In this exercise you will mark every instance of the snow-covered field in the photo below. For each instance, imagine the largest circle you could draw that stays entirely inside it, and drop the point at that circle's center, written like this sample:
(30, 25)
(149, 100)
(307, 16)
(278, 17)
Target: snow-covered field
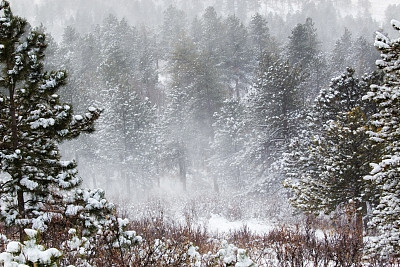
(218, 224)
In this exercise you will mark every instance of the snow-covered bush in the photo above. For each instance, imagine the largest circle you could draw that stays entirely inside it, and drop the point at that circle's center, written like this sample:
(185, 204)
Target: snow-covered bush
(97, 230)
(29, 253)
(227, 255)
(230, 255)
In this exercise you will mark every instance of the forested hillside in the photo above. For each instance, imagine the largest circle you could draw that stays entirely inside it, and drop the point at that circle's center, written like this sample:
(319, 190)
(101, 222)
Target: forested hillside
(282, 111)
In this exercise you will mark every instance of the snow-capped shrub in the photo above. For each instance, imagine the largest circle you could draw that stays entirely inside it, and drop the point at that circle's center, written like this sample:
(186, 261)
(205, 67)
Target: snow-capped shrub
(29, 253)
(227, 255)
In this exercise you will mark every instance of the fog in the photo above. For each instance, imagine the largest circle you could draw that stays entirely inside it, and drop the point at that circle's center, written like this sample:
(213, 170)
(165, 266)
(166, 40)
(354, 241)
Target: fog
(183, 128)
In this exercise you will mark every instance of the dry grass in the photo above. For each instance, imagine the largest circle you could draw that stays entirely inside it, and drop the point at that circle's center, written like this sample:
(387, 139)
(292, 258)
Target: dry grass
(311, 242)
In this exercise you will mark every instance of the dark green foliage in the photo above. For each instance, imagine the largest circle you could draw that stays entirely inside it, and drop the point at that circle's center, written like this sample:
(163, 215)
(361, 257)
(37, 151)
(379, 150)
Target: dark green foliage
(303, 44)
(33, 121)
(328, 161)
(272, 107)
(259, 35)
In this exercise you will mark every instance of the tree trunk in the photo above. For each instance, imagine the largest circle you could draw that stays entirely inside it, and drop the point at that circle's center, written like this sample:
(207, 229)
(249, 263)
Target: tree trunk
(359, 222)
(14, 129)
(158, 175)
(21, 210)
(216, 187)
(237, 89)
(182, 171)
(94, 181)
(127, 182)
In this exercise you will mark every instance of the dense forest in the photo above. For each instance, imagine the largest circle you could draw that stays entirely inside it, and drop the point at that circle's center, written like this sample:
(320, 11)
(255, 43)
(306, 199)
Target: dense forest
(283, 111)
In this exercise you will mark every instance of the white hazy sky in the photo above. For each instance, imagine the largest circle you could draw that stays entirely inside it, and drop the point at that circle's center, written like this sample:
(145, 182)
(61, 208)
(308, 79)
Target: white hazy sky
(379, 7)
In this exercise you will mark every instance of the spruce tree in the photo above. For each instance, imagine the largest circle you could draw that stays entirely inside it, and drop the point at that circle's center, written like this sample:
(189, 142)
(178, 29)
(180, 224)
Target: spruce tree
(303, 52)
(33, 122)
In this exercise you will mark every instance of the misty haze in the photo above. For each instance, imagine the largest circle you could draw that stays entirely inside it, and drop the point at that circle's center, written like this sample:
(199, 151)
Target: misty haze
(200, 133)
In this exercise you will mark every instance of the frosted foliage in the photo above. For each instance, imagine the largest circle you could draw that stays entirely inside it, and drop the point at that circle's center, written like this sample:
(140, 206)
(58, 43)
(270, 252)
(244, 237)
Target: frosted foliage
(385, 174)
(395, 24)
(33, 123)
(227, 255)
(230, 255)
(29, 253)
(328, 159)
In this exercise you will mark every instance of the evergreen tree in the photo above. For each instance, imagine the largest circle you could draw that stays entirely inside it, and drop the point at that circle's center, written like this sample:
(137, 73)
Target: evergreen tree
(385, 174)
(272, 107)
(342, 55)
(177, 130)
(357, 54)
(303, 44)
(195, 96)
(303, 51)
(69, 53)
(236, 56)
(117, 84)
(80, 58)
(259, 35)
(174, 26)
(212, 34)
(176, 133)
(140, 142)
(33, 122)
(146, 65)
(328, 161)
(365, 56)
(226, 147)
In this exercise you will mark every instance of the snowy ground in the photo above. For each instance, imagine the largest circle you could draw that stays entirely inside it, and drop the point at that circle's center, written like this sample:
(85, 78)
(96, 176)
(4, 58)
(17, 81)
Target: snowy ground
(218, 213)
(218, 224)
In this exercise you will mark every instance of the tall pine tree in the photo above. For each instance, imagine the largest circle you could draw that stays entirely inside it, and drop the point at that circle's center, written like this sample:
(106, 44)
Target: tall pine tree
(33, 122)
(328, 161)
(385, 174)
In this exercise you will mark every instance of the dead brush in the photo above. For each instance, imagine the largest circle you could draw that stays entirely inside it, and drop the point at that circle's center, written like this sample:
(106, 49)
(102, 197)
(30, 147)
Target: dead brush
(288, 245)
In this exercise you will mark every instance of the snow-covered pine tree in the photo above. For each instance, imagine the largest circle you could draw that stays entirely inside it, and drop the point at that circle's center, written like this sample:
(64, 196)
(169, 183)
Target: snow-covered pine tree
(147, 64)
(228, 141)
(195, 95)
(141, 142)
(259, 36)
(303, 44)
(303, 51)
(327, 162)
(386, 172)
(354, 53)
(273, 104)
(174, 25)
(342, 54)
(236, 60)
(211, 35)
(33, 122)
(365, 56)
